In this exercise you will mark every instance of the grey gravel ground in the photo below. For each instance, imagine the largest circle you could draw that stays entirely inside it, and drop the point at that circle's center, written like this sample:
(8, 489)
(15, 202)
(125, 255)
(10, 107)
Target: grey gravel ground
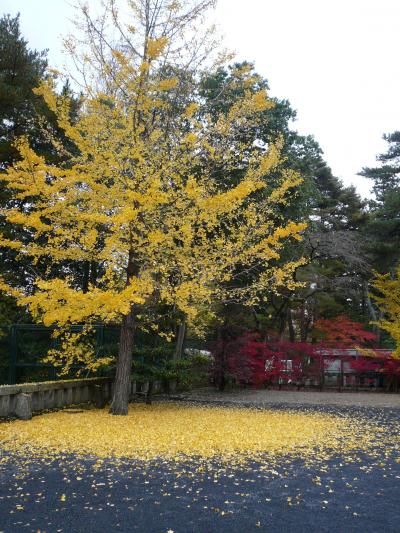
(263, 397)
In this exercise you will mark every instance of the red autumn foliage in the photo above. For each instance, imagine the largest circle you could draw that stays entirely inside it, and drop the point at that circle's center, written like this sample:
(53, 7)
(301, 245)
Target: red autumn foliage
(380, 361)
(286, 361)
(249, 360)
(341, 332)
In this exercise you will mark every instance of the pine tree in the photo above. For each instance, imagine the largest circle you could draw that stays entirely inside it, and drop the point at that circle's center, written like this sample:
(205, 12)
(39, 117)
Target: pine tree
(383, 231)
(21, 69)
(22, 112)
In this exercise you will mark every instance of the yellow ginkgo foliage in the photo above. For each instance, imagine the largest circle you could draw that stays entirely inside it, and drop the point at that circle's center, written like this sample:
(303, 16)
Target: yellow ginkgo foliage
(179, 432)
(139, 196)
(388, 300)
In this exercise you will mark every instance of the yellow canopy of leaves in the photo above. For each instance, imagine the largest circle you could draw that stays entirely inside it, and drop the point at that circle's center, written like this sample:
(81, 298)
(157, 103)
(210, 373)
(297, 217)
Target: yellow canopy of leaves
(388, 299)
(141, 187)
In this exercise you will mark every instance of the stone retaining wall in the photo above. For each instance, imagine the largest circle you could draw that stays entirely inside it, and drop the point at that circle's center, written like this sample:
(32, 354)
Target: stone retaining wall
(22, 400)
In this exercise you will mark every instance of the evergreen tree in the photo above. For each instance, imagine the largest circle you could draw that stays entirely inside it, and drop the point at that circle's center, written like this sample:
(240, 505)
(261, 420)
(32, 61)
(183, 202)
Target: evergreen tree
(334, 270)
(24, 113)
(21, 70)
(383, 230)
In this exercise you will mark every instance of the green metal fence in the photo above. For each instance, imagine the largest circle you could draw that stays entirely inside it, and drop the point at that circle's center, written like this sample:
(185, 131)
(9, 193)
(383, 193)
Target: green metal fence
(23, 347)
(4, 354)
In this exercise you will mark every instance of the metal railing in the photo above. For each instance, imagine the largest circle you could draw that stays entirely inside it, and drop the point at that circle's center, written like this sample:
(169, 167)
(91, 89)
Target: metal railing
(23, 347)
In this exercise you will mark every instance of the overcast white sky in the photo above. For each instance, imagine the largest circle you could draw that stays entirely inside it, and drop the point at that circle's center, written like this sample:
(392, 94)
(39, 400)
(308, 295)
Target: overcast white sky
(337, 61)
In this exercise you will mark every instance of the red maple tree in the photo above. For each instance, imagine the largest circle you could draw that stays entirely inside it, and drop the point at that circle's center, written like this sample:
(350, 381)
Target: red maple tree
(341, 332)
(248, 359)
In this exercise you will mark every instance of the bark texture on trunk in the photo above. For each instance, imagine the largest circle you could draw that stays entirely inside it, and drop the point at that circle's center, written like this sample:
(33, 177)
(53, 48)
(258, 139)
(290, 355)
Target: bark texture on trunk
(119, 404)
(173, 383)
(180, 340)
(149, 393)
(292, 333)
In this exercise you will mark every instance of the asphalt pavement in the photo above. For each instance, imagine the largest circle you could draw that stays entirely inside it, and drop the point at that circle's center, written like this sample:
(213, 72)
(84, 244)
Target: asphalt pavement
(74, 495)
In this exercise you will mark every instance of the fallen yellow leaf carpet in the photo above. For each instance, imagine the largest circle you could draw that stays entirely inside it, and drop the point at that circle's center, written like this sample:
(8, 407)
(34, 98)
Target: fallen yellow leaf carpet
(179, 431)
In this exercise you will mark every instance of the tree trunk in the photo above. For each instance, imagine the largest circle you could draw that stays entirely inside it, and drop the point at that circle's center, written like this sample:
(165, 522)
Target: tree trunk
(85, 276)
(304, 323)
(173, 383)
(292, 333)
(282, 323)
(372, 313)
(180, 340)
(149, 393)
(219, 376)
(119, 404)
(221, 382)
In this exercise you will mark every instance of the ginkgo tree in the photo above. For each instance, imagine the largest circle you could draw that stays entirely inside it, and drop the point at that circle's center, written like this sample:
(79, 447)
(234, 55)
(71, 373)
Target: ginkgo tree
(138, 197)
(387, 296)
